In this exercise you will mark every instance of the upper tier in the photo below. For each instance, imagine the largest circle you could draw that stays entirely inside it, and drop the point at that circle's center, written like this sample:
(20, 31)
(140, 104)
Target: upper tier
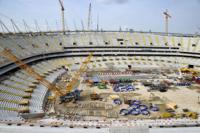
(26, 45)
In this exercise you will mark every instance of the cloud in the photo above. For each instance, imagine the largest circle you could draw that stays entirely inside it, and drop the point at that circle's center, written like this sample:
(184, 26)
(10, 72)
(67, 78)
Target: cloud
(113, 1)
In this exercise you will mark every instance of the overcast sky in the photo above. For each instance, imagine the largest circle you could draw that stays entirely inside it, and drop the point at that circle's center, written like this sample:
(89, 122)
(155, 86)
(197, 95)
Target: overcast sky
(141, 15)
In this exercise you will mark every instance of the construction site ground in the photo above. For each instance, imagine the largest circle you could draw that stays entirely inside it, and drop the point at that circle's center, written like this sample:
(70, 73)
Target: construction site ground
(184, 97)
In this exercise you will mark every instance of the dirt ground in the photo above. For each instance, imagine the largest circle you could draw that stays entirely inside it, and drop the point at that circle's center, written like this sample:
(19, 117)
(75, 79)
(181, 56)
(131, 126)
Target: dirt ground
(184, 97)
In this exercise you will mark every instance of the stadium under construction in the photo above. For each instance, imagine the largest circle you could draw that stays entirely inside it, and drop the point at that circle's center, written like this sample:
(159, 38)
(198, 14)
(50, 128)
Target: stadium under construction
(99, 81)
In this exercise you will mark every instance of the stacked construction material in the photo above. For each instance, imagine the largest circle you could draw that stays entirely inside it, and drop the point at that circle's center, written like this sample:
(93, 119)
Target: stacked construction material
(120, 80)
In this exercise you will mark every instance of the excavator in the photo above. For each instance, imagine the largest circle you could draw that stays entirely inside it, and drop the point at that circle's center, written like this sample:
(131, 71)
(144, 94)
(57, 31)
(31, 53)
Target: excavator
(66, 94)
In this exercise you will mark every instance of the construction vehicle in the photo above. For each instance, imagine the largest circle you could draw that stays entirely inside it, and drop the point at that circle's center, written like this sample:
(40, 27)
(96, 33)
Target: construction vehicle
(95, 96)
(74, 95)
(192, 115)
(179, 115)
(102, 86)
(65, 94)
(90, 83)
(195, 74)
(187, 70)
(166, 115)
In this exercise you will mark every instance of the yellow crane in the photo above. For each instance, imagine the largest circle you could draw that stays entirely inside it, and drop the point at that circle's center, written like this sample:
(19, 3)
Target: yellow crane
(76, 76)
(65, 94)
(69, 95)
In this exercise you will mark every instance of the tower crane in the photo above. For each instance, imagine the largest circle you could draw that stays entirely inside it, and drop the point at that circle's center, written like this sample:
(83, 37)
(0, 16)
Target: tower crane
(62, 15)
(82, 24)
(89, 17)
(65, 94)
(167, 16)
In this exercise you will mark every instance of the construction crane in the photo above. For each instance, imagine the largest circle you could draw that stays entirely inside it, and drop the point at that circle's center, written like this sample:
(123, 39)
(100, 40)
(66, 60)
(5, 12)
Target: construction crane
(89, 17)
(97, 22)
(71, 85)
(76, 76)
(65, 94)
(82, 24)
(167, 16)
(7, 54)
(62, 15)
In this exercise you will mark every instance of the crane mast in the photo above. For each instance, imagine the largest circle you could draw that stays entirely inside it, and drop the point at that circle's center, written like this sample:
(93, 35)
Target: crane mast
(89, 17)
(62, 15)
(167, 16)
(76, 76)
(82, 25)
